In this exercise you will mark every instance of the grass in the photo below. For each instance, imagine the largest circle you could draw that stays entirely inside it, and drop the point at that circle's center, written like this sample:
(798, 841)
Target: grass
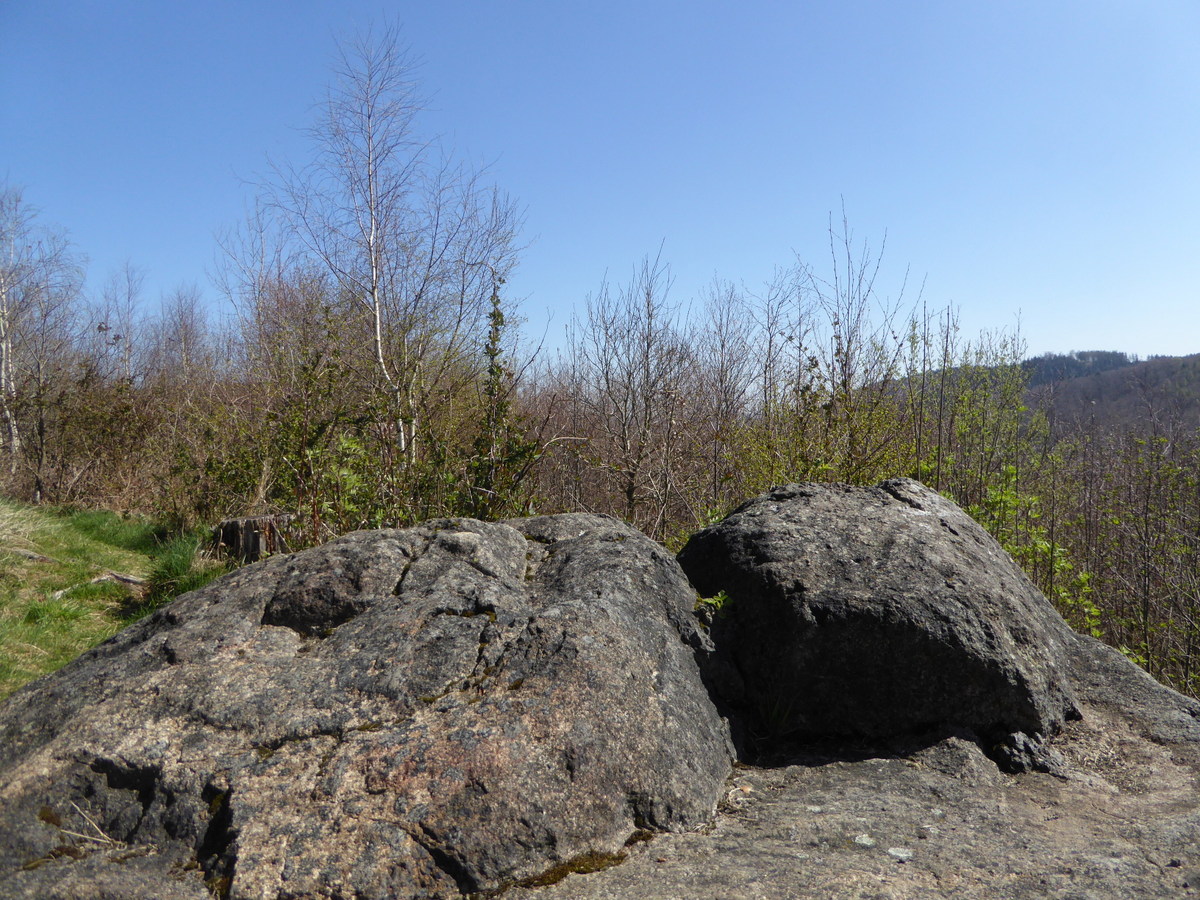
(52, 609)
(175, 569)
(136, 535)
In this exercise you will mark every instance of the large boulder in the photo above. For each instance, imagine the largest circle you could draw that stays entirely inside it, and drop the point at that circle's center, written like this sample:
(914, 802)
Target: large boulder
(872, 612)
(476, 709)
(428, 712)
(891, 634)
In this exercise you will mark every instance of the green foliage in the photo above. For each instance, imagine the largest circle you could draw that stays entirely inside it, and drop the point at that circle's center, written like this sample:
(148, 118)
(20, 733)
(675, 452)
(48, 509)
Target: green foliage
(501, 454)
(1013, 517)
(713, 605)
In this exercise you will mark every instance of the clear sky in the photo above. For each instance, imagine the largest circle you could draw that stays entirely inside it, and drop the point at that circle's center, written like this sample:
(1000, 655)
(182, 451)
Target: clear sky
(1027, 159)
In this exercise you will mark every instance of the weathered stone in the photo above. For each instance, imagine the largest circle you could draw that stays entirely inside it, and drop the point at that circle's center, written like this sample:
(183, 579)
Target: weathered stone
(460, 706)
(897, 804)
(939, 821)
(410, 713)
(901, 803)
(874, 612)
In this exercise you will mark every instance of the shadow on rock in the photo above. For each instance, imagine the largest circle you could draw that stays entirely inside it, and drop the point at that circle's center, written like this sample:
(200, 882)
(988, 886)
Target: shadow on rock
(856, 616)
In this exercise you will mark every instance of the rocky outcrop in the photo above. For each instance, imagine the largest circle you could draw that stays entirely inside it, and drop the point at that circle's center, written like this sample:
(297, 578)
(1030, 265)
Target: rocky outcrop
(877, 612)
(482, 709)
(938, 822)
(418, 713)
(925, 725)
(933, 817)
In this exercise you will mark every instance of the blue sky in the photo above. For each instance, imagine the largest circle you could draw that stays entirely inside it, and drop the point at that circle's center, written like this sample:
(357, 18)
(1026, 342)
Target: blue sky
(1031, 161)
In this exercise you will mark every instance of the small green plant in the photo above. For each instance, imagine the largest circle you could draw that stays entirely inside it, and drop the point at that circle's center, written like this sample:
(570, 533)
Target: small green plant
(55, 610)
(713, 605)
(775, 717)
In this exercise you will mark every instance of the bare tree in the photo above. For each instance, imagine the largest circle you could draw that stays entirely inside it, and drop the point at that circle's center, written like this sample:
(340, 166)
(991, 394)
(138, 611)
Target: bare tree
(725, 373)
(859, 359)
(40, 279)
(410, 236)
(775, 445)
(631, 364)
(182, 344)
(119, 323)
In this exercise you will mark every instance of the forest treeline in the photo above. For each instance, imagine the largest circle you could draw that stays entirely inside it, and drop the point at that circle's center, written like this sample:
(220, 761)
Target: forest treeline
(371, 371)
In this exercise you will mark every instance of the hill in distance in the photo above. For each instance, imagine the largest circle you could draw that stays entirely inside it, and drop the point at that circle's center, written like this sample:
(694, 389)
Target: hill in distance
(1116, 391)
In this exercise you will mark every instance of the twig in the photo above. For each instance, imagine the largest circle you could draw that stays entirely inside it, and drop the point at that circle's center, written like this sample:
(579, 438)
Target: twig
(29, 554)
(102, 837)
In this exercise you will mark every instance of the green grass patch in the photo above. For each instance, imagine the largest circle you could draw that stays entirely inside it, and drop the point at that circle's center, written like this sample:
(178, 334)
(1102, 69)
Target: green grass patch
(177, 567)
(52, 607)
(133, 534)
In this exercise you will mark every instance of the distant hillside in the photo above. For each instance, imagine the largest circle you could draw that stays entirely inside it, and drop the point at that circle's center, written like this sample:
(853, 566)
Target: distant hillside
(1111, 390)
(1051, 367)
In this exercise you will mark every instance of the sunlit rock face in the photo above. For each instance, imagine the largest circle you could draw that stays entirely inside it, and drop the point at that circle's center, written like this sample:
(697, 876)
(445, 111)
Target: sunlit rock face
(533, 709)
(424, 712)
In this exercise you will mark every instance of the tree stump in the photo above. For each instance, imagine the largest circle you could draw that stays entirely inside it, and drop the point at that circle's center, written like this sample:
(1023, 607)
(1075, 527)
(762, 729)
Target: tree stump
(250, 539)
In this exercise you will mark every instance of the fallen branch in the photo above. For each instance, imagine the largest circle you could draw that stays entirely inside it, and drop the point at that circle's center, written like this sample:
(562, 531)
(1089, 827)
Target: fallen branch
(29, 554)
(131, 580)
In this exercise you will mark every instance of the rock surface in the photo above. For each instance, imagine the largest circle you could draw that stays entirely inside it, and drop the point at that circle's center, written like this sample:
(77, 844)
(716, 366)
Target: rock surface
(876, 612)
(411, 713)
(462, 708)
(939, 820)
(909, 644)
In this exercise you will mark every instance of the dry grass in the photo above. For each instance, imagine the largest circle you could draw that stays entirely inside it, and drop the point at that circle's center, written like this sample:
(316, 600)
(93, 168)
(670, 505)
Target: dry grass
(17, 524)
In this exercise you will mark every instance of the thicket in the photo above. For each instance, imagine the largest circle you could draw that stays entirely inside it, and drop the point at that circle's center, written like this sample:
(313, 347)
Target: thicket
(370, 373)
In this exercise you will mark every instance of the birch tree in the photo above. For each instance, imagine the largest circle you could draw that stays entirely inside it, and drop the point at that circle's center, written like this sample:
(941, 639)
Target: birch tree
(407, 234)
(40, 279)
(16, 271)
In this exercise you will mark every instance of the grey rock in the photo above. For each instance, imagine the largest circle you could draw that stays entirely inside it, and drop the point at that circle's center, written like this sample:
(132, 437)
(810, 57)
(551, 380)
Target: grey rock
(426, 712)
(873, 612)
(1124, 825)
(1103, 677)
(903, 802)
(493, 710)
